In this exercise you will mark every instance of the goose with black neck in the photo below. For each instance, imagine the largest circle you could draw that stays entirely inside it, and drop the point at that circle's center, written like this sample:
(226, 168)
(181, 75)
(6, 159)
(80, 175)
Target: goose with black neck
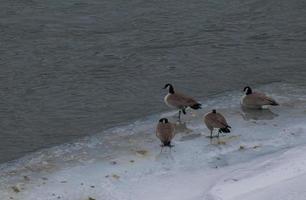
(179, 101)
(256, 100)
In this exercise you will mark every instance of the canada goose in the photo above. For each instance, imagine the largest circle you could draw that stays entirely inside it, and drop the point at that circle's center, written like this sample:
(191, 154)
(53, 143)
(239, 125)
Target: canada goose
(256, 100)
(179, 101)
(216, 120)
(165, 132)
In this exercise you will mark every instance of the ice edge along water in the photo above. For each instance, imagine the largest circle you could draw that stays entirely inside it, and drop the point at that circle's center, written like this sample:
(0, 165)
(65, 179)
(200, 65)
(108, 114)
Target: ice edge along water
(263, 153)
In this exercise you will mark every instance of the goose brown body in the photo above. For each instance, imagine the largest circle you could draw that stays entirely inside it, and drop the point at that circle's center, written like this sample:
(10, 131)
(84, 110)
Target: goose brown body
(165, 131)
(180, 101)
(256, 100)
(216, 120)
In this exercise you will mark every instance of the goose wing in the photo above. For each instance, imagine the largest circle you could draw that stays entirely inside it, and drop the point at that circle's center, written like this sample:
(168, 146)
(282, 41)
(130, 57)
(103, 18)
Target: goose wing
(179, 100)
(215, 120)
(262, 99)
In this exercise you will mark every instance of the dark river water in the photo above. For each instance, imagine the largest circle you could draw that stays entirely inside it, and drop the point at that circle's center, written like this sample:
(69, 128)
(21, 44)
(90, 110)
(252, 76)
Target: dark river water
(72, 68)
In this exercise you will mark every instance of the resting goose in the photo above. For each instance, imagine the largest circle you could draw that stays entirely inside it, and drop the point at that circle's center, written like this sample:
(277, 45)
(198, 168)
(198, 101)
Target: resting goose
(256, 100)
(179, 101)
(216, 120)
(165, 132)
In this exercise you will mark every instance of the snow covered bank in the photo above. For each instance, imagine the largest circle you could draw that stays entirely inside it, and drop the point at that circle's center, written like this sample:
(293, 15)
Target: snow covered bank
(272, 177)
(263, 154)
(278, 176)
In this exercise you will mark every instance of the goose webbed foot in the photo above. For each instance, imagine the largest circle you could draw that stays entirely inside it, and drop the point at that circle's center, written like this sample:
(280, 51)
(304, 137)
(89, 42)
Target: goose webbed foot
(167, 145)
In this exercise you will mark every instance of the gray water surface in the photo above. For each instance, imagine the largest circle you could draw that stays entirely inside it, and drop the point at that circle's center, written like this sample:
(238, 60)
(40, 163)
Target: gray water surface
(71, 68)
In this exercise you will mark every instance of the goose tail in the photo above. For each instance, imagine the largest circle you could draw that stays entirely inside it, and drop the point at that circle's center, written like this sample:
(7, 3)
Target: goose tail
(225, 130)
(167, 144)
(274, 103)
(196, 106)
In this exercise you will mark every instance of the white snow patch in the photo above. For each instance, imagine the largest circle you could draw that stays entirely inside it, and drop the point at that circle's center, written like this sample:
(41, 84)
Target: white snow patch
(262, 158)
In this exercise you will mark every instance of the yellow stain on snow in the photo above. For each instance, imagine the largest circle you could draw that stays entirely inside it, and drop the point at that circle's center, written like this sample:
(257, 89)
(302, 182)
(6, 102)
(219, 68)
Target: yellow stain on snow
(142, 153)
(115, 176)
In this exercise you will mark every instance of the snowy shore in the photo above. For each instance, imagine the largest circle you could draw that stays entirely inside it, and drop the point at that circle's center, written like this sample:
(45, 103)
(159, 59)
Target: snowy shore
(263, 158)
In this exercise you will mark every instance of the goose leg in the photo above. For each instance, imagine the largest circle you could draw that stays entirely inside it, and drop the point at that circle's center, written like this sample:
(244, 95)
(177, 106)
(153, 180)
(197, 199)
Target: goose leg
(211, 132)
(161, 148)
(179, 118)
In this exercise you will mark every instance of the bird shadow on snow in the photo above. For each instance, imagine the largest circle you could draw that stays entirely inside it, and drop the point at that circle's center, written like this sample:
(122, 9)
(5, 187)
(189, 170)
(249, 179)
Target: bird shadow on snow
(165, 156)
(186, 133)
(260, 114)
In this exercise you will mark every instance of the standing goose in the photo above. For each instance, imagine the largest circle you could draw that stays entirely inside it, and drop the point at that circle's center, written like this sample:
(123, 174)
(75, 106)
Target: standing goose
(216, 120)
(179, 101)
(165, 132)
(256, 100)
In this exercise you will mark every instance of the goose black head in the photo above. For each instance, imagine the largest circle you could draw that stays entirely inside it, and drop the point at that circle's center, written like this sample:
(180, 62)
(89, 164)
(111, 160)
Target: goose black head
(214, 111)
(171, 89)
(164, 120)
(247, 90)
